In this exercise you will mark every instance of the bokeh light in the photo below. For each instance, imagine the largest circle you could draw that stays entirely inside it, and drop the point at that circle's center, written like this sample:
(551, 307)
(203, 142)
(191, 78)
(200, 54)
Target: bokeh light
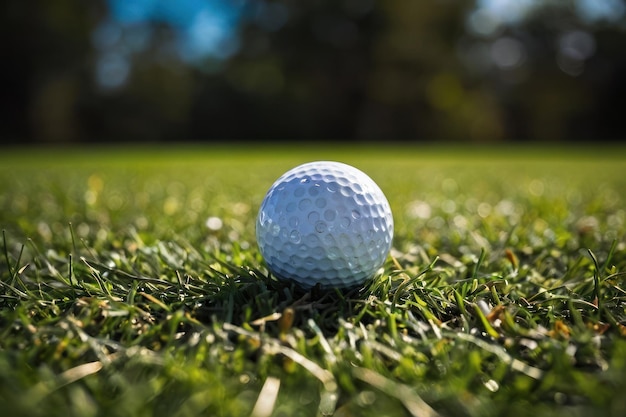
(201, 29)
(574, 48)
(490, 20)
(598, 10)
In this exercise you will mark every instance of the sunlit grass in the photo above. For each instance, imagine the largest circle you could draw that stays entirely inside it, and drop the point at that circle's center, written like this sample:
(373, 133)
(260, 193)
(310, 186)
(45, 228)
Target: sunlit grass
(131, 284)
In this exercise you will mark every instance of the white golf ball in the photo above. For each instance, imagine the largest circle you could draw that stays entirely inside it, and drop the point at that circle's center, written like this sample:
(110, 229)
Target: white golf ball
(324, 223)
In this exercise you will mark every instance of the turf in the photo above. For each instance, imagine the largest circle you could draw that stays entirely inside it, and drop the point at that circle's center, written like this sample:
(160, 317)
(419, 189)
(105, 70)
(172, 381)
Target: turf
(131, 284)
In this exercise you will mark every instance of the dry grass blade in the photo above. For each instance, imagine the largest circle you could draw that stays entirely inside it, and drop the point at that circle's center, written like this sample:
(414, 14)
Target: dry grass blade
(411, 401)
(328, 396)
(267, 398)
(501, 353)
(44, 388)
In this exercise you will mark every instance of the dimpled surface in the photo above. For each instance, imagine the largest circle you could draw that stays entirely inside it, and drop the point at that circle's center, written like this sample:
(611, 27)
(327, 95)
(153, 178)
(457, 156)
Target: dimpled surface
(327, 223)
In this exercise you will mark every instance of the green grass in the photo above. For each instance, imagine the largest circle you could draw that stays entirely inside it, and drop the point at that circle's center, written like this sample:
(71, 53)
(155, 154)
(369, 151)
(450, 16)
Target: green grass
(504, 294)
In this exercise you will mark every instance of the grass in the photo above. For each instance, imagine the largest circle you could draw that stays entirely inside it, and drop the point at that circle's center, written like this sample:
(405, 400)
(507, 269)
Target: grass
(504, 293)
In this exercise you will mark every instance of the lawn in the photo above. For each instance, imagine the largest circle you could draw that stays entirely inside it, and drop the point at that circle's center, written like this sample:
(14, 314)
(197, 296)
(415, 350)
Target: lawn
(131, 285)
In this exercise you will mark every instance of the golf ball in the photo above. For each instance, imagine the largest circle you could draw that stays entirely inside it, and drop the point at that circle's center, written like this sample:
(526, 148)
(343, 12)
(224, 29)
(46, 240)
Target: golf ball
(324, 223)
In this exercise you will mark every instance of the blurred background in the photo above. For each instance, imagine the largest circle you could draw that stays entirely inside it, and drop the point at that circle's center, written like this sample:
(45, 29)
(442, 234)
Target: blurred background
(80, 71)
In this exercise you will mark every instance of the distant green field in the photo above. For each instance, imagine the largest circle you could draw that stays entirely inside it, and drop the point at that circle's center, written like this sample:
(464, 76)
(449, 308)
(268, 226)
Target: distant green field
(131, 284)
